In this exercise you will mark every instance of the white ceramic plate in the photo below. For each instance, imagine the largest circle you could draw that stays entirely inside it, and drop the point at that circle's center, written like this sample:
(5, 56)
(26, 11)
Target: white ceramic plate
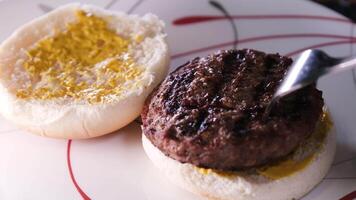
(115, 166)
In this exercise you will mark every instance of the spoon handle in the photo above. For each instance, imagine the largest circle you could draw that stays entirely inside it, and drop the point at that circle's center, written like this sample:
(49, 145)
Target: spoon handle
(344, 64)
(308, 68)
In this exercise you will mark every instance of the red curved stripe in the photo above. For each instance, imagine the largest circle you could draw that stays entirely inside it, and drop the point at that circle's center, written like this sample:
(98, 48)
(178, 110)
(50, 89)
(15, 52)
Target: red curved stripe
(81, 192)
(351, 196)
(206, 18)
(321, 45)
(254, 39)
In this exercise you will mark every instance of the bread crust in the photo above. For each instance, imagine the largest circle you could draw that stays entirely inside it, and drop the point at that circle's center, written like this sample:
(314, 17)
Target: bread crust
(77, 119)
(242, 187)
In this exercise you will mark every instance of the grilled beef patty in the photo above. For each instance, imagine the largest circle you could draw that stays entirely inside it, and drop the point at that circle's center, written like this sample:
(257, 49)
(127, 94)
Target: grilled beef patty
(209, 111)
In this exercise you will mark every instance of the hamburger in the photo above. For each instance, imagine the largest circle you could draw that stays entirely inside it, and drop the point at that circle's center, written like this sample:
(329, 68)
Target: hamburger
(203, 126)
(81, 71)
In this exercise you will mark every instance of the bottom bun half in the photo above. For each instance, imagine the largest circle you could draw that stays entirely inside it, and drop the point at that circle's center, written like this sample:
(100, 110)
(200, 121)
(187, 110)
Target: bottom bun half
(246, 186)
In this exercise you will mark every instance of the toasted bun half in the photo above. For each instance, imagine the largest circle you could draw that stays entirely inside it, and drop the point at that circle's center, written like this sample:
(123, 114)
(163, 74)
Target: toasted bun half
(65, 118)
(246, 187)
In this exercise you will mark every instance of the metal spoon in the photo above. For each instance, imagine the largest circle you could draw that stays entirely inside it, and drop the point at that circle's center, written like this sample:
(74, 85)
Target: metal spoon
(306, 70)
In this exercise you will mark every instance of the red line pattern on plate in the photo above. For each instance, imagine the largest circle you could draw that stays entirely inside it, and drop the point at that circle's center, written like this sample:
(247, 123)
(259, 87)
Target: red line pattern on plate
(351, 196)
(263, 38)
(343, 161)
(321, 45)
(81, 192)
(206, 18)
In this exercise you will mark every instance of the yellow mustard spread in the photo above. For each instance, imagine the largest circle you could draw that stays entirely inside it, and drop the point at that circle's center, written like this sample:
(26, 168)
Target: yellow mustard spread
(290, 165)
(87, 61)
(286, 168)
(226, 174)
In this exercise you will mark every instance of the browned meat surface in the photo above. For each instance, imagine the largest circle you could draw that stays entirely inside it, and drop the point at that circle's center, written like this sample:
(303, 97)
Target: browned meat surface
(209, 111)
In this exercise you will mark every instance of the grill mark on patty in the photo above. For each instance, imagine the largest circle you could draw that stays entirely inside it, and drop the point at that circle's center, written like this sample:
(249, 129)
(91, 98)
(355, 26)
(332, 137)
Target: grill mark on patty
(209, 111)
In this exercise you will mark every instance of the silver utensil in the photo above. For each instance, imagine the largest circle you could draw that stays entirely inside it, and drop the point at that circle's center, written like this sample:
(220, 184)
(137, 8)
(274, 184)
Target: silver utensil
(307, 69)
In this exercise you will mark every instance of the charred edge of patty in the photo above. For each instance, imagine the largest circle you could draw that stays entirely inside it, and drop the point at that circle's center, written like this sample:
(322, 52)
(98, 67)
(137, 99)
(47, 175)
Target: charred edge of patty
(209, 111)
